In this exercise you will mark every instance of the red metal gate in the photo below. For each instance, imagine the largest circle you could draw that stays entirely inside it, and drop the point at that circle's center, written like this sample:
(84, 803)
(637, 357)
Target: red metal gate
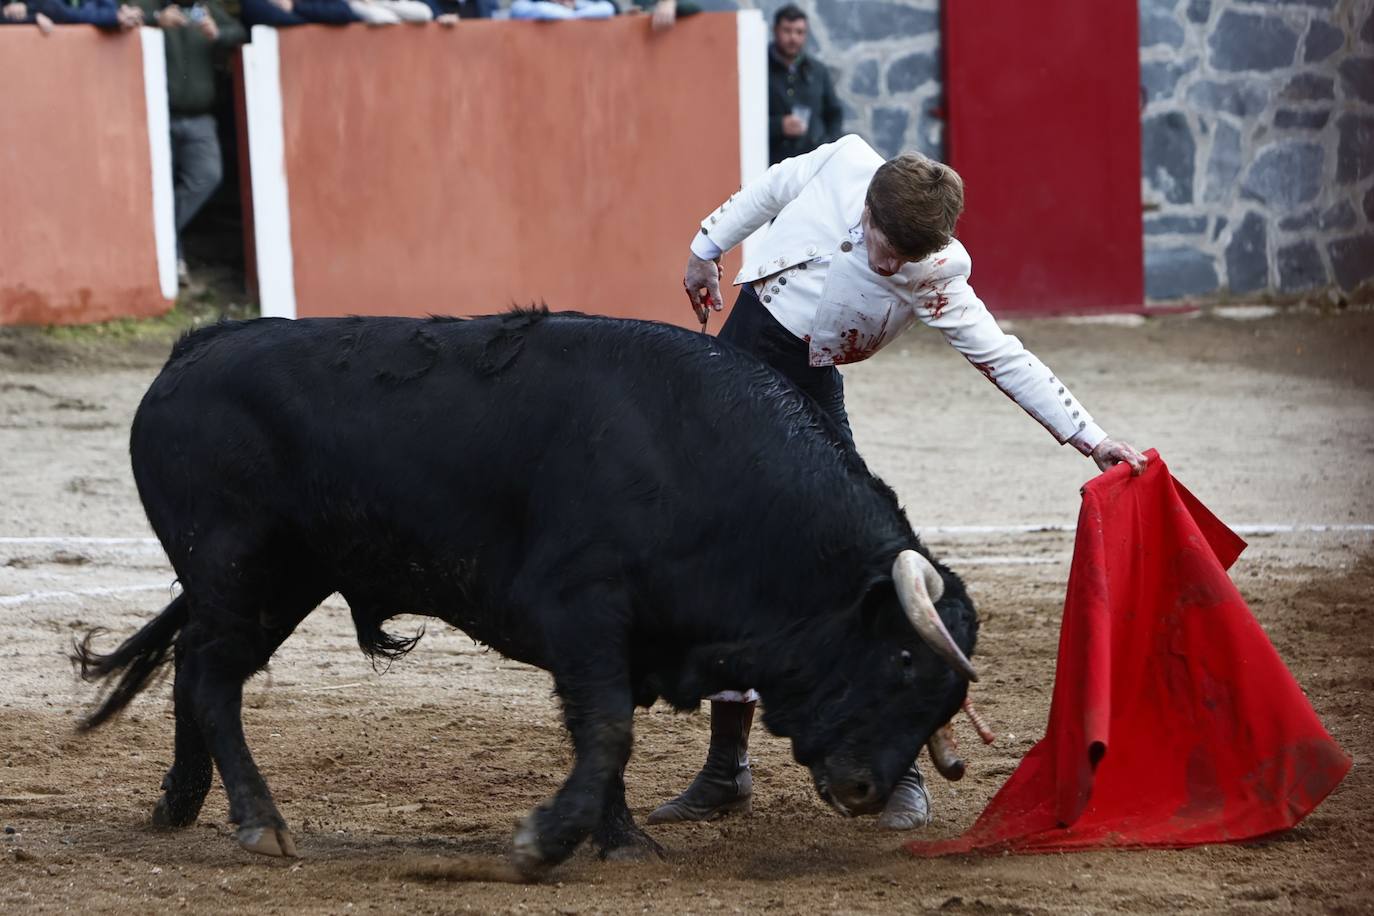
(1043, 101)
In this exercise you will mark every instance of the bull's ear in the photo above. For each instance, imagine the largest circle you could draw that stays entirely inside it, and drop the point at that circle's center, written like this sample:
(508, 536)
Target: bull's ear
(720, 666)
(875, 608)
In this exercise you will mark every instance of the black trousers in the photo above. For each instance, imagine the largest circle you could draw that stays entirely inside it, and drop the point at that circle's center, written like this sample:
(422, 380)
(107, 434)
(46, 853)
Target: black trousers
(753, 328)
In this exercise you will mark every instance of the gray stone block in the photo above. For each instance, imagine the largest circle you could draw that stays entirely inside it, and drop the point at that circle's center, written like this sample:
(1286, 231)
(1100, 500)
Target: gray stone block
(1367, 30)
(1352, 260)
(1184, 225)
(1340, 216)
(865, 79)
(1173, 273)
(1249, 41)
(1247, 257)
(1285, 175)
(1159, 25)
(1300, 267)
(930, 133)
(1242, 98)
(1369, 204)
(1199, 10)
(1355, 149)
(1305, 120)
(851, 21)
(1357, 76)
(1308, 87)
(907, 73)
(889, 130)
(1306, 220)
(1168, 152)
(1223, 165)
(1324, 4)
(1323, 40)
(1160, 77)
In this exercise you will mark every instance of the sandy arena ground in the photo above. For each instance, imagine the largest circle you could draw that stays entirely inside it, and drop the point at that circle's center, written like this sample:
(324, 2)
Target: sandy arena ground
(1269, 421)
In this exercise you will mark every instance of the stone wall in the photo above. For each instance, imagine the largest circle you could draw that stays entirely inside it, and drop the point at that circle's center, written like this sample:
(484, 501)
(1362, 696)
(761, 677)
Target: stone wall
(1258, 145)
(1257, 129)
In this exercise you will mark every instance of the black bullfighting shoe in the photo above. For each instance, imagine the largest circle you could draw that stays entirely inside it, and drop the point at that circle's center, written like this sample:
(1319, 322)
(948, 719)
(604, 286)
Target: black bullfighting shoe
(725, 784)
(908, 808)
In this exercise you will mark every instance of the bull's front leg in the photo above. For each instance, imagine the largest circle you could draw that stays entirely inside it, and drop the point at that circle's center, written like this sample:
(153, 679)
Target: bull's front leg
(618, 837)
(598, 710)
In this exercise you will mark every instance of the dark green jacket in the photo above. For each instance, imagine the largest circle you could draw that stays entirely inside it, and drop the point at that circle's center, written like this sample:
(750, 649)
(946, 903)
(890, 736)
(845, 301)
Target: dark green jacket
(191, 56)
(806, 82)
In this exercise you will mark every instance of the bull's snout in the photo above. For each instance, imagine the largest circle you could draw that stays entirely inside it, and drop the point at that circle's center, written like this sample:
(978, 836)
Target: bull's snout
(850, 792)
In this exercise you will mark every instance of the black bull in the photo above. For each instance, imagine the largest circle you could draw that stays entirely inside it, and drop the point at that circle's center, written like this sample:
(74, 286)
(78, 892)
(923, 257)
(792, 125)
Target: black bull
(641, 511)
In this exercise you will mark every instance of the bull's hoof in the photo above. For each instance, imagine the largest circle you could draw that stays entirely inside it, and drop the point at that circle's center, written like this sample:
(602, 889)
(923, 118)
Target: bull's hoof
(167, 815)
(526, 856)
(267, 841)
(638, 848)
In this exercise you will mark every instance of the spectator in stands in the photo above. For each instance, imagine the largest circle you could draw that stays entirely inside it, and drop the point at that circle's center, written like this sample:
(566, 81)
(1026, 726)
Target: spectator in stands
(663, 13)
(803, 110)
(390, 12)
(448, 12)
(103, 14)
(24, 14)
(191, 35)
(283, 13)
(562, 9)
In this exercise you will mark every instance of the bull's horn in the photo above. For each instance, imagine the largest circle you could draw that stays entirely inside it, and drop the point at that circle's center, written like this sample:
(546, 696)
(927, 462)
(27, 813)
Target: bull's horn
(911, 573)
(944, 753)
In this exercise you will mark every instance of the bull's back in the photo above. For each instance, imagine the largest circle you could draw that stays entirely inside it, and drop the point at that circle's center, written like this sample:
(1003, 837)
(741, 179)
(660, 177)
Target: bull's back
(465, 427)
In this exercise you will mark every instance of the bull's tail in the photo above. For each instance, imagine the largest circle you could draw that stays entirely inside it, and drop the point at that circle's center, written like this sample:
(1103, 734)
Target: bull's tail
(136, 662)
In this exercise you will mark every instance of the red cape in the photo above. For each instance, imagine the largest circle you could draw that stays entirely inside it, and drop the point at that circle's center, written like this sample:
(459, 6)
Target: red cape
(1174, 722)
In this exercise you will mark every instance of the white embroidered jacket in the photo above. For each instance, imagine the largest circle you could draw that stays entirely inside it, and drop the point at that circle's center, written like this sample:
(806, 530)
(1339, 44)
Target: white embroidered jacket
(811, 271)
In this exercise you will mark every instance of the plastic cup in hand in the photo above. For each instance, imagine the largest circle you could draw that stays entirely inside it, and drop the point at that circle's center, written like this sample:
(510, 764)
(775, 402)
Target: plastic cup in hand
(803, 114)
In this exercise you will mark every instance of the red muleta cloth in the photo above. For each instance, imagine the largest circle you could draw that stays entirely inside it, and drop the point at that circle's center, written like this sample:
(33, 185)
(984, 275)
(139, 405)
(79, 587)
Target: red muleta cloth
(1173, 722)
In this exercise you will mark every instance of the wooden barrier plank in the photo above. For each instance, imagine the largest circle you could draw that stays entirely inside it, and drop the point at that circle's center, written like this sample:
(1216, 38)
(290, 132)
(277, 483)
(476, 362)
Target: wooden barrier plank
(77, 213)
(464, 170)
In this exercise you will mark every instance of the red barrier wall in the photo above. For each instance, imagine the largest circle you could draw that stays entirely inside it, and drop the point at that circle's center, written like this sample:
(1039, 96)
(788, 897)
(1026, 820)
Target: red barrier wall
(76, 200)
(463, 170)
(1044, 107)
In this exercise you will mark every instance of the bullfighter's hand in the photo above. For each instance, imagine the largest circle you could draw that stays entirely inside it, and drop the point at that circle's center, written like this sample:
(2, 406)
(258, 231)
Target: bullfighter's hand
(702, 282)
(15, 12)
(448, 19)
(45, 25)
(1112, 451)
(171, 17)
(285, 5)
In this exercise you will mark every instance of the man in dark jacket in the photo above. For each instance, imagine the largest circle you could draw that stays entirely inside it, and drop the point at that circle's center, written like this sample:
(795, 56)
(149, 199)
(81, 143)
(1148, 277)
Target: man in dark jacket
(191, 34)
(803, 110)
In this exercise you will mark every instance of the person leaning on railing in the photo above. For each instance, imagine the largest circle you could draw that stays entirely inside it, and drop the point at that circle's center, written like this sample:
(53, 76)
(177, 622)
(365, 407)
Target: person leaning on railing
(103, 14)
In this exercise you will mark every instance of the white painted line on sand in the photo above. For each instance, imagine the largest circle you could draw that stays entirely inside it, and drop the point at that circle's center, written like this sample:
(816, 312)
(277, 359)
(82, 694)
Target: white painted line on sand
(1053, 527)
(77, 594)
(60, 541)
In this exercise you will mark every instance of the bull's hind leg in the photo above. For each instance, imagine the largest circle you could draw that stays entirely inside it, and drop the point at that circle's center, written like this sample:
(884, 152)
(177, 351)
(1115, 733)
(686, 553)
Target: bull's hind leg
(216, 653)
(618, 837)
(188, 779)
